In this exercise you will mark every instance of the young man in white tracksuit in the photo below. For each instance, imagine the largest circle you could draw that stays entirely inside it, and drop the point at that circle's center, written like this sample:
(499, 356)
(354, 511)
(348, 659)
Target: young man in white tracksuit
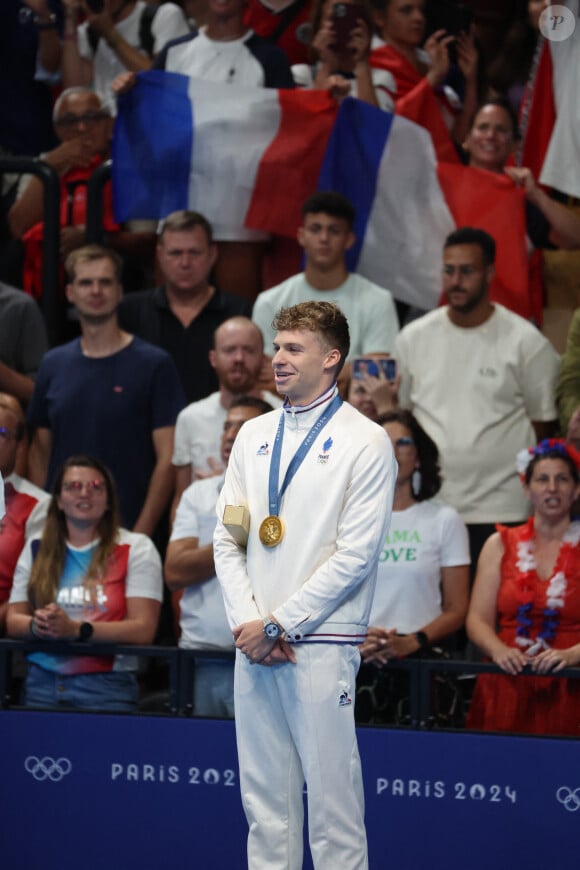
(317, 478)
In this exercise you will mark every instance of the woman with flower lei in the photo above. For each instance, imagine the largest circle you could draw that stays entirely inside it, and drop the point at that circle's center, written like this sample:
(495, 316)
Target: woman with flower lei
(525, 606)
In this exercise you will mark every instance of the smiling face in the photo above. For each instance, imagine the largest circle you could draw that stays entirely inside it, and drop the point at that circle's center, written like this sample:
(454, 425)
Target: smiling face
(303, 367)
(552, 489)
(491, 139)
(83, 496)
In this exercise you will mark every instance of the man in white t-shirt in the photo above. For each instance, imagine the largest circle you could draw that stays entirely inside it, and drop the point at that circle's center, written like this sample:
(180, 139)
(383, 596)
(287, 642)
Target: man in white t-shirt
(326, 235)
(481, 381)
(189, 566)
(237, 358)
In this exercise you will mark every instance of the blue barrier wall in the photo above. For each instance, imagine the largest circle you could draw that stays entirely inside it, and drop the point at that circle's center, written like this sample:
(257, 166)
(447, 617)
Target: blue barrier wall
(121, 793)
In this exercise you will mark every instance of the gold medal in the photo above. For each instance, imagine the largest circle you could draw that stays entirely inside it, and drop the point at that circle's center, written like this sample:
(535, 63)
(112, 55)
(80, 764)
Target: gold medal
(271, 531)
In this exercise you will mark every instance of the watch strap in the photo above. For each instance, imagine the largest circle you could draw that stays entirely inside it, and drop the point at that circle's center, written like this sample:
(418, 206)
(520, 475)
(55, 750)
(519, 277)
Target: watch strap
(422, 639)
(85, 632)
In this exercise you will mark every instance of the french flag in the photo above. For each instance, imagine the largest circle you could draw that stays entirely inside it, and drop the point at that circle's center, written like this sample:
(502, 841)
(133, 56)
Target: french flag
(248, 158)
(551, 105)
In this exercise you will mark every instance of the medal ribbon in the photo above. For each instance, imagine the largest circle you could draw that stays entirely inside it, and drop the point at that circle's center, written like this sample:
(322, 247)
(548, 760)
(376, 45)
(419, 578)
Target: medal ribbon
(275, 497)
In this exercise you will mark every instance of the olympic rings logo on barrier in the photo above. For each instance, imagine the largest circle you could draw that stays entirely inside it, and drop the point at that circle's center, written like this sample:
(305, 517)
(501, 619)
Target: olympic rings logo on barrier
(54, 769)
(570, 798)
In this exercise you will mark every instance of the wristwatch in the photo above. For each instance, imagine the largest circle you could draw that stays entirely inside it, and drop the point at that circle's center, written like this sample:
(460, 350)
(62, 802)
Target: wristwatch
(271, 629)
(50, 22)
(422, 639)
(85, 632)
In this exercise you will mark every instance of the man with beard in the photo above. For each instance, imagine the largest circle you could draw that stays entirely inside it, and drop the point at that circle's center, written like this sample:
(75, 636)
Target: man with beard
(237, 358)
(182, 314)
(107, 394)
(481, 381)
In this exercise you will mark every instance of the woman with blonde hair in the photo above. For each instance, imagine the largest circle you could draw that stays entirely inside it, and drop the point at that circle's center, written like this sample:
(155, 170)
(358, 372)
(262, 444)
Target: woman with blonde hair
(86, 579)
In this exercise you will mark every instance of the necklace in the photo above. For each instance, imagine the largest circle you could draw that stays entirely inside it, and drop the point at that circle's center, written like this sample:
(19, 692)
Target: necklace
(222, 53)
(555, 593)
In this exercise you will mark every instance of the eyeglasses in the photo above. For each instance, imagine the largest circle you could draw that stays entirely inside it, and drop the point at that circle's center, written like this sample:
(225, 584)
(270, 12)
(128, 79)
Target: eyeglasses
(88, 118)
(405, 441)
(466, 271)
(6, 434)
(89, 485)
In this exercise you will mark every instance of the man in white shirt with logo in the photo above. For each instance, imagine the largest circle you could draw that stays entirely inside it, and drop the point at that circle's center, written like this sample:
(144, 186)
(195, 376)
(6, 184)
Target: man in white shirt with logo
(481, 381)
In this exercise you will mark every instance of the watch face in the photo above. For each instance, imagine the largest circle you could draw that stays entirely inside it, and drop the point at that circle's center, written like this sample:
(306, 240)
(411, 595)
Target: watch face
(271, 630)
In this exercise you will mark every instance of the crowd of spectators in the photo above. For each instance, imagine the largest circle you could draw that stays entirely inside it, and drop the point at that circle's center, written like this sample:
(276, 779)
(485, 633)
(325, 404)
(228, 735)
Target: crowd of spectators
(151, 390)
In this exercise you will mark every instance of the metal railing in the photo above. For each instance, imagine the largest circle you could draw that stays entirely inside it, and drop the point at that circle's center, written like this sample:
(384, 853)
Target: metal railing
(180, 664)
(50, 300)
(95, 231)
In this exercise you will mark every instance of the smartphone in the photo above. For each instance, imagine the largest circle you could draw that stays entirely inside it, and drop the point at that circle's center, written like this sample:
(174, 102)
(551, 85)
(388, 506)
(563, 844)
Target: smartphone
(96, 6)
(345, 17)
(362, 366)
(455, 18)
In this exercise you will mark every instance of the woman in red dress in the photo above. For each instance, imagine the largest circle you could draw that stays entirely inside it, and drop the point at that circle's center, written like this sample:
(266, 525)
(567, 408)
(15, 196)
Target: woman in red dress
(525, 606)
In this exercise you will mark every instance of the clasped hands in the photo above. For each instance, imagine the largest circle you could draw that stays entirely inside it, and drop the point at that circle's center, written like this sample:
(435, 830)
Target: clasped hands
(382, 645)
(52, 623)
(250, 639)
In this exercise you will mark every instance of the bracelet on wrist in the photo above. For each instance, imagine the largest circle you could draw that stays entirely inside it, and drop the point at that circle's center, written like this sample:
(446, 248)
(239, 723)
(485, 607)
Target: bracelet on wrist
(33, 631)
(47, 22)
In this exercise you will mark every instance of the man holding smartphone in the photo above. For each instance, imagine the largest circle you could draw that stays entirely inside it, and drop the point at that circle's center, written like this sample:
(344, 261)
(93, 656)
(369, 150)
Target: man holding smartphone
(116, 35)
(326, 235)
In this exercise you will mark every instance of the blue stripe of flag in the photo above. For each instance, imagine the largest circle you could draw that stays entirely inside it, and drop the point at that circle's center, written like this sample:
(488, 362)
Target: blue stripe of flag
(352, 159)
(152, 147)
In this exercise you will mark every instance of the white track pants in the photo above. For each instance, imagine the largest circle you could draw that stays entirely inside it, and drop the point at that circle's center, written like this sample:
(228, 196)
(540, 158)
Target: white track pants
(295, 722)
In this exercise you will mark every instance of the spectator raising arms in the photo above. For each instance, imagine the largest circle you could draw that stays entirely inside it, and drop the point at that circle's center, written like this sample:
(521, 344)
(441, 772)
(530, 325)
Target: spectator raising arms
(420, 73)
(86, 579)
(341, 52)
(124, 35)
(491, 140)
